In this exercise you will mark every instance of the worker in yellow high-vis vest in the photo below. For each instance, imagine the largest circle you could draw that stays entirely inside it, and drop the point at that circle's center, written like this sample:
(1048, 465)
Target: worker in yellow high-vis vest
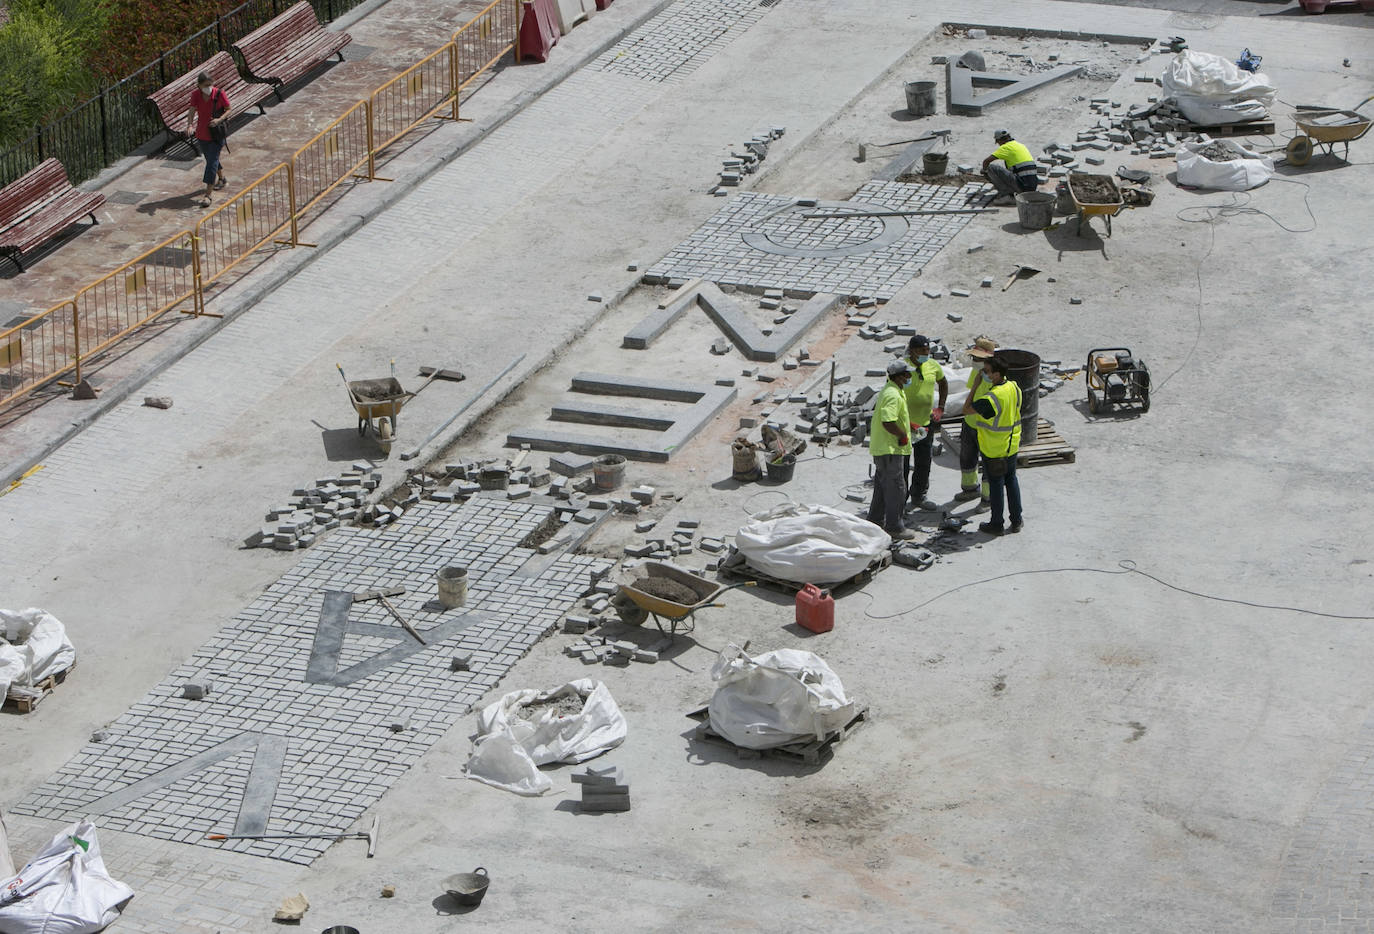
(1010, 168)
(969, 487)
(889, 441)
(997, 418)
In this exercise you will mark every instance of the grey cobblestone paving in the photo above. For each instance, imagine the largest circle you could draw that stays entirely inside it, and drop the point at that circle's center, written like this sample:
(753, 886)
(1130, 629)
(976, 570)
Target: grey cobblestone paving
(1326, 882)
(312, 757)
(762, 241)
(677, 41)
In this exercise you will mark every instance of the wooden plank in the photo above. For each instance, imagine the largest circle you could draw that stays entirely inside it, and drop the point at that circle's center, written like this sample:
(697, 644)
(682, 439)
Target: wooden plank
(1253, 128)
(23, 700)
(742, 571)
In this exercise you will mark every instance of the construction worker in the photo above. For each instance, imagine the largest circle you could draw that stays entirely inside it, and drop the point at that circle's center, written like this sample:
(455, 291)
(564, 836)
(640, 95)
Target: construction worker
(1010, 168)
(889, 442)
(997, 417)
(926, 377)
(969, 487)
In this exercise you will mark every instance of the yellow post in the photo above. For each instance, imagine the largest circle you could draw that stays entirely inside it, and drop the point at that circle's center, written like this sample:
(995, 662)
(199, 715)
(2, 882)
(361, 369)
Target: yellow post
(519, 8)
(197, 292)
(371, 153)
(291, 199)
(76, 339)
(453, 76)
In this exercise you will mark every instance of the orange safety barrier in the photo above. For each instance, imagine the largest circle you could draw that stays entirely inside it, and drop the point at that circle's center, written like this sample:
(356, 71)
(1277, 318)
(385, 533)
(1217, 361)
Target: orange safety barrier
(227, 235)
(37, 350)
(336, 153)
(486, 38)
(137, 292)
(413, 96)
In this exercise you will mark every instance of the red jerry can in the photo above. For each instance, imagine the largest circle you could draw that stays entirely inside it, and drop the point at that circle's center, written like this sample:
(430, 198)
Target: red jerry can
(815, 609)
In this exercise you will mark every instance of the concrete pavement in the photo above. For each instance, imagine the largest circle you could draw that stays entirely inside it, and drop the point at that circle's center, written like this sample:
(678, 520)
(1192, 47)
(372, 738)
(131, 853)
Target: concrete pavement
(1066, 750)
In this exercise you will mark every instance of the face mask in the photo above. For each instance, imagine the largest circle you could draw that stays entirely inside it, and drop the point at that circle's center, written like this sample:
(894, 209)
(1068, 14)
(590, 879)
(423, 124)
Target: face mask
(987, 377)
(923, 358)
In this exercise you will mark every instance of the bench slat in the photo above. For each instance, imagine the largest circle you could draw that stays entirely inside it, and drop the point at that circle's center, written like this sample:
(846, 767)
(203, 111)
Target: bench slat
(289, 46)
(39, 205)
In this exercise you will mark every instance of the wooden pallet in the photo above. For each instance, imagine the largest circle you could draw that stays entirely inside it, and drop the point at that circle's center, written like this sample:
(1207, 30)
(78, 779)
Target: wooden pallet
(743, 571)
(1253, 128)
(1049, 448)
(812, 753)
(25, 699)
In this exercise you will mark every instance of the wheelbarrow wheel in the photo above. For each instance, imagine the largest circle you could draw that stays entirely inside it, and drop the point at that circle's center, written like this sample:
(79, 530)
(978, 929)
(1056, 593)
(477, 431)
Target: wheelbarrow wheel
(1299, 151)
(362, 426)
(384, 434)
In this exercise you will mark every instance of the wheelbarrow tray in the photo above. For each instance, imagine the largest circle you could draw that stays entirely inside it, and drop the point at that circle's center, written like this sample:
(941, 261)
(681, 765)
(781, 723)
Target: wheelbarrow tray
(1333, 126)
(705, 590)
(1077, 179)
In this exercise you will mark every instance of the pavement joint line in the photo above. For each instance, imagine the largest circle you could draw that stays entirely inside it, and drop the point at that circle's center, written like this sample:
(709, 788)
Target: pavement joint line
(285, 267)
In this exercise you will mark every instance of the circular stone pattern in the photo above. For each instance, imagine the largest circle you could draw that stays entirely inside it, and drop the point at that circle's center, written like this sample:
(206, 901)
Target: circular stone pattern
(786, 232)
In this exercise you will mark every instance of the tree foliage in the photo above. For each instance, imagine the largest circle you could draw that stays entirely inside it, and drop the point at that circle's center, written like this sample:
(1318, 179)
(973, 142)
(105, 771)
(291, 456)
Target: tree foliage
(44, 49)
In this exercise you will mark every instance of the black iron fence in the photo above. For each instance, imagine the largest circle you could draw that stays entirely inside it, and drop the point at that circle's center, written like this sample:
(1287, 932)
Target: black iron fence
(119, 119)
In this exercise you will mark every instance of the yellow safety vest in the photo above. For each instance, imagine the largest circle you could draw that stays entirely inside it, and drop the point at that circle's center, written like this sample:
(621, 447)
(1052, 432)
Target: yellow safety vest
(1000, 436)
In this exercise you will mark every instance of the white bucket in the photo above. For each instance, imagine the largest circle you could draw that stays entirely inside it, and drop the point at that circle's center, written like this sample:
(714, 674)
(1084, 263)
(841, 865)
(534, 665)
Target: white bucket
(453, 586)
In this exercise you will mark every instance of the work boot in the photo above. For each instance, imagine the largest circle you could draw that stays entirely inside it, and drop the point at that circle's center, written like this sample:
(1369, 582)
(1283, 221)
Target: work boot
(921, 502)
(905, 535)
(966, 494)
(1015, 527)
(1003, 201)
(990, 528)
(984, 505)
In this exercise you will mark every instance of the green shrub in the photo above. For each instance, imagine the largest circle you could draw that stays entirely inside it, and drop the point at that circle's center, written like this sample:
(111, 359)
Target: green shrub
(43, 70)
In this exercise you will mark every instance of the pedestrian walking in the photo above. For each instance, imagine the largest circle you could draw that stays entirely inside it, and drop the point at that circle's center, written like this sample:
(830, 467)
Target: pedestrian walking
(998, 421)
(969, 486)
(889, 442)
(209, 112)
(925, 412)
(1010, 168)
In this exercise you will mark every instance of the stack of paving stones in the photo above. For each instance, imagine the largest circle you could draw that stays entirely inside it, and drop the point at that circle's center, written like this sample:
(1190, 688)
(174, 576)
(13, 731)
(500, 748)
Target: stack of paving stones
(677, 41)
(745, 163)
(604, 788)
(307, 725)
(857, 258)
(315, 509)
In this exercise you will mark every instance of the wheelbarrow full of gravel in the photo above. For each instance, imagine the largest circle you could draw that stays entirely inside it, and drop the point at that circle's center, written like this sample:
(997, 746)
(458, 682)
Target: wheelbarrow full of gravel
(668, 593)
(378, 404)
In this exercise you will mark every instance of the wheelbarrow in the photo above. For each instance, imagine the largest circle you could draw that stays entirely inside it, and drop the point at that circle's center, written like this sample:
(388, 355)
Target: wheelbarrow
(1325, 127)
(1086, 206)
(378, 404)
(635, 606)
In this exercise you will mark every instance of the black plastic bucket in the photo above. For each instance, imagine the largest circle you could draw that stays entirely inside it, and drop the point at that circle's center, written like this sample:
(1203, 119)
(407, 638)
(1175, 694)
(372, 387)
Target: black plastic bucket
(920, 98)
(934, 163)
(1023, 368)
(780, 470)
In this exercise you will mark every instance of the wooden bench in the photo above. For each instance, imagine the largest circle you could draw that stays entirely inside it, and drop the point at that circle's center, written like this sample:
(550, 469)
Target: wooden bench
(173, 101)
(289, 47)
(38, 206)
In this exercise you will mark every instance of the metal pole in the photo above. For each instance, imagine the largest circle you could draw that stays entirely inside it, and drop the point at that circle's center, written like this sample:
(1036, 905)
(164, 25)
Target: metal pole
(452, 418)
(104, 130)
(830, 403)
(76, 339)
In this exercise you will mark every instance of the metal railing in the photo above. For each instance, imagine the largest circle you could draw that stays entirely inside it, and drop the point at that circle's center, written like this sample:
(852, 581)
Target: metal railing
(486, 38)
(182, 267)
(126, 298)
(117, 120)
(38, 350)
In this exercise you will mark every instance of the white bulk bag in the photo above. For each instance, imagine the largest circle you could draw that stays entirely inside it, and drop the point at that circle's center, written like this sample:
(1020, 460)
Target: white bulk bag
(810, 544)
(40, 642)
(776, 698)
(1248, 170)
(1204, 79)
(64, 889)
(509, 749)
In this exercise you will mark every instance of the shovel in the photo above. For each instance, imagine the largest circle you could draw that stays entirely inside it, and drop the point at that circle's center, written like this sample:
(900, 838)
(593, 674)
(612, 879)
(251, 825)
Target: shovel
(1022, 272)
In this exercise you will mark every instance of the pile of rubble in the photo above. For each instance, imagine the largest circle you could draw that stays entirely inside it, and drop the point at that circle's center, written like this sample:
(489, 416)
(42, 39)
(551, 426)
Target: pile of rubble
(314, 509)
(745, 163)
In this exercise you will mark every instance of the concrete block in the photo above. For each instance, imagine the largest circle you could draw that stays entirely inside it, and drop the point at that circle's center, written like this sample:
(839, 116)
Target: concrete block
(956, 318)
(196, 690)
(570, 465)
(461, 661)
(643, 494)
(932, 293)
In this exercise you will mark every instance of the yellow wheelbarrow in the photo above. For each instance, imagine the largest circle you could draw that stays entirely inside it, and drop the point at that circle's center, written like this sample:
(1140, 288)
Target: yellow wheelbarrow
(1325, 128)
(378, 404)
(638, 601)
(1095, 196)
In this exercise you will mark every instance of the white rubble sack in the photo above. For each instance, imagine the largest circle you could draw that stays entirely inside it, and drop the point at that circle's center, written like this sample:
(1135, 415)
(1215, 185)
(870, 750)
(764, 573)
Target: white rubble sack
(777, 698)
(810, 544)
(64, 889)
(1209, 89)
(1247, 170)
(6, 863)
(509, 749)
(33, 645)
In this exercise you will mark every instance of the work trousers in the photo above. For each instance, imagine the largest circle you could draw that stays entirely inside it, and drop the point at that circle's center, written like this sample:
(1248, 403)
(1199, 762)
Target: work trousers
(1006, 181)
(917, 470)
(968, 448)
(1006, 488)
(889, 492)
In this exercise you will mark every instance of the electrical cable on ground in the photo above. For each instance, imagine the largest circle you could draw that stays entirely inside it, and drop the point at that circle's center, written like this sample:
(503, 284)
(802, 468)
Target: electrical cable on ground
(1127, 566)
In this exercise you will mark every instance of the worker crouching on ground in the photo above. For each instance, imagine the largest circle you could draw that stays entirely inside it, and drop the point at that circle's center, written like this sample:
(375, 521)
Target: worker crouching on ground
(890, 444)
(997, 418)
(924, 412)
(969, 487)
(1010, 168)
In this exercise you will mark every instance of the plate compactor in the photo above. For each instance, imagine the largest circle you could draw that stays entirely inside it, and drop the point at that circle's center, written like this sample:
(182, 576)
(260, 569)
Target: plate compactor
(1117, 377)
